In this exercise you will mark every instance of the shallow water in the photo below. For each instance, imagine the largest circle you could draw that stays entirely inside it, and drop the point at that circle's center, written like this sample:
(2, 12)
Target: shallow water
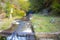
(22, 29)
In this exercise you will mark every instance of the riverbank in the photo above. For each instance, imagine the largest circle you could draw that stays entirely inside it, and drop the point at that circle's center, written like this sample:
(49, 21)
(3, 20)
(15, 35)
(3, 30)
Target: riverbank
(43, 23)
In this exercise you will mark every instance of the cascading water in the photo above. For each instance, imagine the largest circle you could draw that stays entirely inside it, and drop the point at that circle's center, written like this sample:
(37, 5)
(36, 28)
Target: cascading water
(24, 28)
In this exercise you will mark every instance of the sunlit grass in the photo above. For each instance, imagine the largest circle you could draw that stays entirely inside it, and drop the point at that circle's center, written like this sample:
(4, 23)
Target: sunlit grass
(5, 23)
(43, 24)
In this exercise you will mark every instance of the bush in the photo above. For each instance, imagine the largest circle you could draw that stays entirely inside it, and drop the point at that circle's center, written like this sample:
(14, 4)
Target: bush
(19, 13)
(2, 38)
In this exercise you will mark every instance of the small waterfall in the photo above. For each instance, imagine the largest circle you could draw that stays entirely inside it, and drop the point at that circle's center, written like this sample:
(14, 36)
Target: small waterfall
(23, 29)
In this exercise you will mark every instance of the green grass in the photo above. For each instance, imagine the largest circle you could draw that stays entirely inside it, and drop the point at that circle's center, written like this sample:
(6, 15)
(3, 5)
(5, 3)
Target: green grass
(43, 24)
(5, 24)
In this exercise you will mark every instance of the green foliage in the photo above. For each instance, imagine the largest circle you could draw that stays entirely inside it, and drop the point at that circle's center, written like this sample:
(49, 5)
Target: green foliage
(8, 8)
(24, 4)
(21, 4)
(36, 4)
(2, 38)
(39, 5)
(19, 13)
(0, 9)
(56, 7)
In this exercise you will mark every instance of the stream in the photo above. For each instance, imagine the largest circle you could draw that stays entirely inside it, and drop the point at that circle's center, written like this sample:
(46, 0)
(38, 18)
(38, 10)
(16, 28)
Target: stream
(24, 28)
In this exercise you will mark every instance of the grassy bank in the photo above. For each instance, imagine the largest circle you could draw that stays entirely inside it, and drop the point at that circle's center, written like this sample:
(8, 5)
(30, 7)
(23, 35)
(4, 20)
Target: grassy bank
(44, 23)
(5, 23)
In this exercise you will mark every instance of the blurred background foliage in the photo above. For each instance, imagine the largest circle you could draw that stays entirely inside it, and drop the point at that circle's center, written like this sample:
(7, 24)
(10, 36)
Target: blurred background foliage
(19, 7)
(52, 6)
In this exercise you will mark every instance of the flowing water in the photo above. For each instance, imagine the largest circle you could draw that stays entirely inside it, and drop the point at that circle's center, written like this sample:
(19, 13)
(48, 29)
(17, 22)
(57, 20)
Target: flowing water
(24, 28)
